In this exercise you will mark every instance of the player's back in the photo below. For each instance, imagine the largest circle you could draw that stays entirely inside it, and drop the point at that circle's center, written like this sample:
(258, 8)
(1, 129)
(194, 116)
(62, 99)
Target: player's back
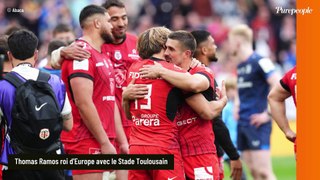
(195, 134)
(153, 116)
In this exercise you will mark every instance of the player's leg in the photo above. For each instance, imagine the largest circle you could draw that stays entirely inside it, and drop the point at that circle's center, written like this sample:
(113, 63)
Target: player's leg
(247, 158)
(262, 157)
(262, 164)
(247, 141)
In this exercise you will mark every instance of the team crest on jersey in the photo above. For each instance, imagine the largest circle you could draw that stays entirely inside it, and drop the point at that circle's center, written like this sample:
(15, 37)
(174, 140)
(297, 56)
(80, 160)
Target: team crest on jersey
(120, 76)
(117, 55)
(44, 134)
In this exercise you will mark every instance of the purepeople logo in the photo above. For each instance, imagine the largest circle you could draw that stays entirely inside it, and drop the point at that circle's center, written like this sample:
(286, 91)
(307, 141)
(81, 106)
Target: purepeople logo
(15, 10)
(293, 11)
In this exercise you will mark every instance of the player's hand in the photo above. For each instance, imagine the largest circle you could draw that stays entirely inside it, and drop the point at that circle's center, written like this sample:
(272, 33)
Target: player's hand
(259, 119)
(222, 93)
(108, 148)
(134, 91)
(221, 101)
(236, 169)
(75, 51)
(195, 62)
(124, 148)
(290, 135)
(151, 71)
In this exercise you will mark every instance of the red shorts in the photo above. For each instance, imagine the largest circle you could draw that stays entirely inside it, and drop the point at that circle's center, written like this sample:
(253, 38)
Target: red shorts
(204, 166)
(86, 146)
(221, 168)
(177, 173)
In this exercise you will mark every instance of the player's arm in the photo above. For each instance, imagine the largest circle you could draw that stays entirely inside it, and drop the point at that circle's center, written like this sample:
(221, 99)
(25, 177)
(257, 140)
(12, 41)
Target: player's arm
(126, 108)
(208, 110)
(67, 115)
(185, 81)
(82, 89)
(222, 136)
(120, 134)
(276, 99)
(132, 92)
(73, 51)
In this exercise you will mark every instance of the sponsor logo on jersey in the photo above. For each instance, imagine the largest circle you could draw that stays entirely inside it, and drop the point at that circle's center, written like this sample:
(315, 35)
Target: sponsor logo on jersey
(120, 76)
(266, 65)
(134, 54)
(134, 75)
(203, 173)
(186, 121)
(81, 65)
(255, 143)
(244, 84)
(117, 55)
(94, 151)
(108, 98)
(99, 64)
(146, 120)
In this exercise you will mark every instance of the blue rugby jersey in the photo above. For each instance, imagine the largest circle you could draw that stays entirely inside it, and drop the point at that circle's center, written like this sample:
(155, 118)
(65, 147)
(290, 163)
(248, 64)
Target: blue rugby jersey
(253, 87)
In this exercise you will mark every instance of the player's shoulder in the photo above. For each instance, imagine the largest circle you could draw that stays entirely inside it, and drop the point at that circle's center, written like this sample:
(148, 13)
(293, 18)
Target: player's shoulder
(265, 63)
(85, 44)
(201, 69)
(171, 66)
(292, 70)
(139, 63)
(291, 74)
(131, 37)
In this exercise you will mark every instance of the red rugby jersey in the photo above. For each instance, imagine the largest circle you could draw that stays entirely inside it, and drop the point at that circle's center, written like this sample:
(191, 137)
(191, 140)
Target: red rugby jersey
(288, 82)
(153, 116)
(122, 56)
(99, 69)
(195, 134)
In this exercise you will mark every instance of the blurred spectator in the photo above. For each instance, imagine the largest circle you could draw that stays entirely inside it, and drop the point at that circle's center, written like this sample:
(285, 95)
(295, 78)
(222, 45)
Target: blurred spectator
(178, 22)
(12, 29)
(202, 7)
(64, 33)
(53, 45)
(61, 32)
(144, 22)
(225, 8)
(263, 32)
(4, 59)
(218, 29)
